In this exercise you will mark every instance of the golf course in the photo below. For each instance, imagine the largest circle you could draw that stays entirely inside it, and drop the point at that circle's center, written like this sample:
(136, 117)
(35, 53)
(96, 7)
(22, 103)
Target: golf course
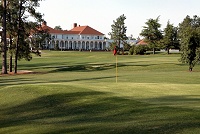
(72, 92)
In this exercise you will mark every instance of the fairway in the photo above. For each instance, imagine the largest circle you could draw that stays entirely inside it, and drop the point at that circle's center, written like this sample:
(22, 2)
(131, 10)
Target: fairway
(76, 92)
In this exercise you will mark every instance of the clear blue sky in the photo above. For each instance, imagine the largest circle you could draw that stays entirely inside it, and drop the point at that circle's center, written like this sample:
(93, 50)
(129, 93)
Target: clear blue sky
(99, 14)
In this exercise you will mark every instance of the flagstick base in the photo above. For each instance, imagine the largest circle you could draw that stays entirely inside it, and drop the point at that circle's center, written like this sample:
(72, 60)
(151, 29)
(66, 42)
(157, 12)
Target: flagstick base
(116, 69)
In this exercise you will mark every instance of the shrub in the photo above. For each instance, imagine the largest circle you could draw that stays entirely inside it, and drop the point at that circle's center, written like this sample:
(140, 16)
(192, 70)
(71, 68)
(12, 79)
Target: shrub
(127, 47)
(131, 50)
(140, 50)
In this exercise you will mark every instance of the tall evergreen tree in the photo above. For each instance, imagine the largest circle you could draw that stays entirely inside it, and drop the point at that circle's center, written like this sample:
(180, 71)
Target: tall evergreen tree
(15, 16)
(152, 33)
(170, 38)
(4, 44)
(20, 28)
(189, 34)
(118, 33)
(10, 32)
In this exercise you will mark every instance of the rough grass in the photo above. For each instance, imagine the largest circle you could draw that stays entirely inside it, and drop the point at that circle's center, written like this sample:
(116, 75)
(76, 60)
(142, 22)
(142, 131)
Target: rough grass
(75, 92)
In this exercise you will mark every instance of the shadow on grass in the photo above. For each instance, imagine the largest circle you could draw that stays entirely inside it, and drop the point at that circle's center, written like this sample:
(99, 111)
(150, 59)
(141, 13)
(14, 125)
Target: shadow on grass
(95, 67)
(97, 112)
(84, 68)
(14, 81)
(83, 79)
(181, 101)
(10, 81)
(80, 67)
(20, 81)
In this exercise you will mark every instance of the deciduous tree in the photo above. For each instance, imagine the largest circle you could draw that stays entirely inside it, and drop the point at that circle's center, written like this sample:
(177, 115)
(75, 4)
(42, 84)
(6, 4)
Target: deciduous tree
(58, 28)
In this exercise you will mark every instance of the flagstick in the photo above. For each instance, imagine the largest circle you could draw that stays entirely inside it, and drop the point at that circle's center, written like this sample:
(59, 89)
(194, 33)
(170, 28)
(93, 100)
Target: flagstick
(116, 68)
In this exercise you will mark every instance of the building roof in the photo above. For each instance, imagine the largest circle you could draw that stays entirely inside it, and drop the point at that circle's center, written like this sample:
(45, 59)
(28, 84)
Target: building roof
(76, 30)
(54, 31)
(142, 42)
(86, 30)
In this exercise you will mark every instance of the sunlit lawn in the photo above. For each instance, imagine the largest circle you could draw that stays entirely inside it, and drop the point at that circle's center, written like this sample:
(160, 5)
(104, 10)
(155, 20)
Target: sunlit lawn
(76, 92)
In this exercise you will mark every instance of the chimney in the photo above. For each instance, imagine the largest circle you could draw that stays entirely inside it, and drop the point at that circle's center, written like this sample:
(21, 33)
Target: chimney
(75, 25)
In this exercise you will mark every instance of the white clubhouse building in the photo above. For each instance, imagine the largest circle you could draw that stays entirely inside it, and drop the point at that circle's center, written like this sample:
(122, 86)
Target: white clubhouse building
(78, 38)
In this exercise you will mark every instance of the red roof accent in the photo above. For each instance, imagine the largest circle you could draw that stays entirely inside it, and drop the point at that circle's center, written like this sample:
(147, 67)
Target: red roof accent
(142, 42)
(51, 30)
(86, 30)
(76, 30)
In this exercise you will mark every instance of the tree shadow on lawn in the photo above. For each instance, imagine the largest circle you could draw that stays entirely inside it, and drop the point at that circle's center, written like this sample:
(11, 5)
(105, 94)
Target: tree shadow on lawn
(86, 66)
(20, 81)
(94, 67)
(97, 112)
(83, 79)
(11, 81)
(44, 65)
(83, 68)
(8, 81)
(181, 101)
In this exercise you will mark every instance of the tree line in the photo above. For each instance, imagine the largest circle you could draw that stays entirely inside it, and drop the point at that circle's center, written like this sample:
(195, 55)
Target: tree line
(186, 37)
(16, 24)
(24, 34)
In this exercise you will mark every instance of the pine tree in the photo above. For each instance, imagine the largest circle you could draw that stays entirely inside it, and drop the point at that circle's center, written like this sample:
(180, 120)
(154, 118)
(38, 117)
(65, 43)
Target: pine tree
(152, 33)
(170, 39)
(189, 34)
(4, 44)
(118, 33)
(20, 28)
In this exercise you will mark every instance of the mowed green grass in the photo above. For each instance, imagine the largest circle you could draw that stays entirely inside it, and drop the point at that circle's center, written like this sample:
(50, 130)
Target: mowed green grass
(76, 92)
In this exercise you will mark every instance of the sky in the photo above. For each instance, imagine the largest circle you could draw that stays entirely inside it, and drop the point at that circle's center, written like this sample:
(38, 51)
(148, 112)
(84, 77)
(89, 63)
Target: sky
(100, 14)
